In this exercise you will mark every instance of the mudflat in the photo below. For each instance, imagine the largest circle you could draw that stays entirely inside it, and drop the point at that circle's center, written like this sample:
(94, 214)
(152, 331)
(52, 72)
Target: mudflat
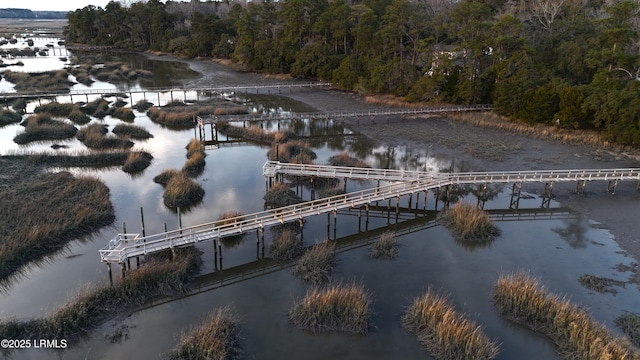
(42, 27)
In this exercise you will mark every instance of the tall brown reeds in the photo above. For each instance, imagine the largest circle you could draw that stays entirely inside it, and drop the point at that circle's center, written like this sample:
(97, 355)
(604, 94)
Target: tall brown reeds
(337, 307)
(43, 127)
(181, 191)
(252, 133)
(194, 166)
(164, 177)
(469, 224)
(9, 117)
(285, 246)
(446, 333)
(344, 159)
(94, 136)
(279, 194)
(137, 161)
(142, 105)
(80, 158)
(522, 299)
(294, 151)
(316, 264)
(217, 338)
(385, 247)
(131, 131)
(630, 325)
(56, 109)
(41, 216)
(96, 304)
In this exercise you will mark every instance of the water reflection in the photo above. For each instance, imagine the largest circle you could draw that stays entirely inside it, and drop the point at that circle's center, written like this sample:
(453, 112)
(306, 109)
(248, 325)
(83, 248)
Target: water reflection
(574, 232)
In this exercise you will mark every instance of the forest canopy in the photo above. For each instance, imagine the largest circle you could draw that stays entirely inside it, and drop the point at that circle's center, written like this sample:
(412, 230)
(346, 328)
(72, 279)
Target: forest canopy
(534, 60)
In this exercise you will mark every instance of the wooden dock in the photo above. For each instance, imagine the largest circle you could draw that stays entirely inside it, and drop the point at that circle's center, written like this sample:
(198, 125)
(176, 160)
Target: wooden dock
(125, 246)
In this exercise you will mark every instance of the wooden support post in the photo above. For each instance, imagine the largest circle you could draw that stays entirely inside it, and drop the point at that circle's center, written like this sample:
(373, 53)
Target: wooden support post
(397, 208)
(220, 256)
(257, 244)
(335, 225)
(611, 187)
(262, 240)
(142, 221)
(110, 274)
(159, 98)
(424, 206)
(437, 195)
(547, 193)
(516, 191)
(329, 226)
(179, 220)
(345, 185)
(123, 269)
(215, 254)
(301, 223)
(410, 200)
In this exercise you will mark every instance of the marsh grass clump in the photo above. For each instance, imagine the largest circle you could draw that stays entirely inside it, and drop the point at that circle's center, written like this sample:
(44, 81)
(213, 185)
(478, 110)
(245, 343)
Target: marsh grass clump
(630, 325)
(164, 177)
(97, 108)
(316, 264)
(131, 131)
(194, 166)
(80, 159)
(56, 80)
(78, 117)
(336, 307)
(344, 159)
(93, 305)
(142, 105)
(137, 161)
(94, 136)
(42, 127)
(469, 224)
(522, 299)
(177, 114)
(122, 113)
(56, 109)
(193, 147)
(279, 194)
(9, 117)
(292, 151)
(217, 338)
(386, 247)
(43, 215)
(445, 332)
(252, 133)
(285, 246)
(181, 191)
(229, 218)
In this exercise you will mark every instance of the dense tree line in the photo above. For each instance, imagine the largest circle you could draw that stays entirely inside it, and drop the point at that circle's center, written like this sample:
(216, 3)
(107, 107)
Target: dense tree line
(535, 60)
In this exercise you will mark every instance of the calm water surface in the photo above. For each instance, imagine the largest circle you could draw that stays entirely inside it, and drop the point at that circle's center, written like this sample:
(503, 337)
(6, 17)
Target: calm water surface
(556, 249)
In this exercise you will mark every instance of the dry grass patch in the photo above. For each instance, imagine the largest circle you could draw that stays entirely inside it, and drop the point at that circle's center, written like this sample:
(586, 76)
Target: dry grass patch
(253, 133)
(42, 216)
(94, 136)
(279, 194)
(182, 192)
(522, 299)
(445, 332)
(137, 161)
(194, 166)
(600, 284)
(316, 264)
(217, 338)
(334, 308)
(344, 159)
(285, 246)
(386, 247)
(164, 177)
(96, 304)
(42, 127)
(131, 131)
(630, 325)
(8, 117)
(469, 224)
(293, 151)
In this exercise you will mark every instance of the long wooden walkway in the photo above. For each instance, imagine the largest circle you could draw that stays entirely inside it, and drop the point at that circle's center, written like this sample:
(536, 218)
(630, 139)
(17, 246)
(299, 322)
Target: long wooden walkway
(125, 246)
(205, 120)
(274, 168)
(166, 90)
